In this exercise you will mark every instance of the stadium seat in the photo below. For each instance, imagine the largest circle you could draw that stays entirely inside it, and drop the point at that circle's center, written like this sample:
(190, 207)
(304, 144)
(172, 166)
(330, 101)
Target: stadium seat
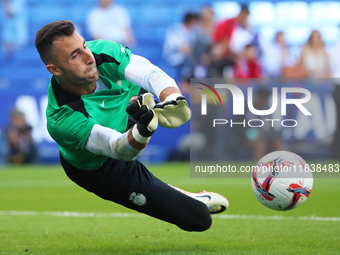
(43, 14)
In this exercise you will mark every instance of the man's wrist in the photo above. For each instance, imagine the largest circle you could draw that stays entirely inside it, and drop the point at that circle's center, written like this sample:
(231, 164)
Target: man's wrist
(138, 136)
(168, 92)
(134, 143)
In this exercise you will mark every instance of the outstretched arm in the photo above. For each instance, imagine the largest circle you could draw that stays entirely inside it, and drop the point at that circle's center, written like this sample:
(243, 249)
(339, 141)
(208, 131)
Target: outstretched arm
(126, 146)
(108, 142)
(141, 72)
(173, 111)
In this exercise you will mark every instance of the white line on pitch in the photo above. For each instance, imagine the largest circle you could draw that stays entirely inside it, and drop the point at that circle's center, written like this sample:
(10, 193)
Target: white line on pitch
(70, 214)
(126, 215)
(277, 217)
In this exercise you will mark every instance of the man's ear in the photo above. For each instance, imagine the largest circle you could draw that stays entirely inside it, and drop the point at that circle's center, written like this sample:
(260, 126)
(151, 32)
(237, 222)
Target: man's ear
(53, 69)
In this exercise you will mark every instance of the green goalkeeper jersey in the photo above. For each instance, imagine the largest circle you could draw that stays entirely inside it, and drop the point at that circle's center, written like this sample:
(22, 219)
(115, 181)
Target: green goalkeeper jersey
(70, 117)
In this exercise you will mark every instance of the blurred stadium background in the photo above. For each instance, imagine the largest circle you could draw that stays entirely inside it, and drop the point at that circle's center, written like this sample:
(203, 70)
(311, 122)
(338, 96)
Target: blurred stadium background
(24, 79)
(43, 212)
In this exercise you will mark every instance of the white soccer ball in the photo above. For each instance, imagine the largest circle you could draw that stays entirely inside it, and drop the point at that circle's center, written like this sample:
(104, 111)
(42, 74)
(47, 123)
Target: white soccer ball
(281, 180)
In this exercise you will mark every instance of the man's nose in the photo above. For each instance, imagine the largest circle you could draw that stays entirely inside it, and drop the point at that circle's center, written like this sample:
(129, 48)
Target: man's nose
(89, 58)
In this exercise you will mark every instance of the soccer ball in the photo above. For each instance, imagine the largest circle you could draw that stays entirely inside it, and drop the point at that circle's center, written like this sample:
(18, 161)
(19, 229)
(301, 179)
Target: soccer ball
(281, 181)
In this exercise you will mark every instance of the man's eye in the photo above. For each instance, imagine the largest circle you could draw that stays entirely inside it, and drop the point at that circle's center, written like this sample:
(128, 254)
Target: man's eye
(85, 46)
(74, 56)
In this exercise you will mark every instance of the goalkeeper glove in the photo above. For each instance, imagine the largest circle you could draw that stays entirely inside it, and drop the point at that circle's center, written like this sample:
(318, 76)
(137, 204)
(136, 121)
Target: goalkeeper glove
(140, 109)
(173, 111)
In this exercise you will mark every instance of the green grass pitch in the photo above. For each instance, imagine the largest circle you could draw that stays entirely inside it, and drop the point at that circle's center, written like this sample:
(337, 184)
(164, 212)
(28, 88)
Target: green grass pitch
(43, 212)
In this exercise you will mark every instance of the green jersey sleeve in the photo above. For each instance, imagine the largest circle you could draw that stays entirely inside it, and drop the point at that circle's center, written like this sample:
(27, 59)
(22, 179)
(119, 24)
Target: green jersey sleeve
(78, 126)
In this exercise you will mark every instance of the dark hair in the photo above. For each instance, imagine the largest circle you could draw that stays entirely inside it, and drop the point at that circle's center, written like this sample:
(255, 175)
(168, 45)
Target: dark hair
(249, 45)
(244, 9)
(189, 16)
(45, 37)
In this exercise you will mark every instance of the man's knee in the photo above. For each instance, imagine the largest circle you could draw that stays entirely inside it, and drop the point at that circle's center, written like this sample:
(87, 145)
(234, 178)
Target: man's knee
(199, 219)
(204, 222)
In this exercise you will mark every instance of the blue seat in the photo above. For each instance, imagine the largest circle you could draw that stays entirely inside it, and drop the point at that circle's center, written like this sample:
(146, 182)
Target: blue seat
(43, 14)
(78, 14)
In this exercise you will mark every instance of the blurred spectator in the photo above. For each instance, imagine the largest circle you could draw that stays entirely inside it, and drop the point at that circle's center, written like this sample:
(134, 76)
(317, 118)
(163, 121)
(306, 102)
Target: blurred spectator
(3, 148)
(334, 54)
(276, 56)
(314, 58)
(235, 33)
(246, 65)
(201, 54)
(266, 138)
(14, 26)
(178, 45)
(110, 21)
(219, 65)
(21, 147)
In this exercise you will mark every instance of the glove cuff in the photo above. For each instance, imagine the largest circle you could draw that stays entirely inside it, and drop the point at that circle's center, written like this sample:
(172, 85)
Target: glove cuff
(143, 131)
(173, 97)
(138, 136)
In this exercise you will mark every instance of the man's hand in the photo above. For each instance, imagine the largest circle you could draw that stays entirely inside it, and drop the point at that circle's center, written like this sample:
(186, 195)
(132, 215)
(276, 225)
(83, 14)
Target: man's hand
(141, 110)
(173, 111)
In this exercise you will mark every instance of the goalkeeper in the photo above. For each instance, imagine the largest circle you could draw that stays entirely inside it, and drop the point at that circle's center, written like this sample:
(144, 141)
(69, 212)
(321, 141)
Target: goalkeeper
(101, 118)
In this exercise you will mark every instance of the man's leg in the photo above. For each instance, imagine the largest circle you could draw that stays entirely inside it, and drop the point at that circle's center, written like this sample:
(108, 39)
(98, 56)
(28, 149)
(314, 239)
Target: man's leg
(130, 184)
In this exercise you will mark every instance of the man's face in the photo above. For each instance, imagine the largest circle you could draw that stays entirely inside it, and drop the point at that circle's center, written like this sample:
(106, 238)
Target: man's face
(250, 53)
(105, 3)
(243, 19)
(74, 60)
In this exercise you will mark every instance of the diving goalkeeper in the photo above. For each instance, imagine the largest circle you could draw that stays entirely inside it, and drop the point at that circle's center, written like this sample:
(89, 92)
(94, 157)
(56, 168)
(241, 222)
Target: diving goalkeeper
(101, 114)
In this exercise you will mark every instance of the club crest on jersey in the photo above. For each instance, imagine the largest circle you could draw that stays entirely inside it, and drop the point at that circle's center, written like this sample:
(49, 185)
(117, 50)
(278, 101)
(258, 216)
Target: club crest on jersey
(138, 199)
